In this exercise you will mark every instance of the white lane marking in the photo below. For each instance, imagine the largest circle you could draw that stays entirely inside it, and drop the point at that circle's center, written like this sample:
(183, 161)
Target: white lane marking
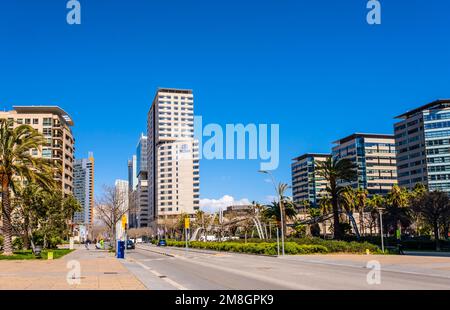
(156, 273)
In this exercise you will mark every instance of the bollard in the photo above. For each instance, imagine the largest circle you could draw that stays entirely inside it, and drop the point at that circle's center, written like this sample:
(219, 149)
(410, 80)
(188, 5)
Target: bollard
(50, 255)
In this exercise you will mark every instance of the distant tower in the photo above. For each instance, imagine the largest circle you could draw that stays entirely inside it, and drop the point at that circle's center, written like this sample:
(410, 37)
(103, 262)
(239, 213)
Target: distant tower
(84, 189)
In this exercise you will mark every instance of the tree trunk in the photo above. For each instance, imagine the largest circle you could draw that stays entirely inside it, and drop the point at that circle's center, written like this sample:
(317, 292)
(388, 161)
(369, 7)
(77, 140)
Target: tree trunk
(446, 230)
(361, 222)
(113, 237)
(436, 235)
(283, 213)
(337, 228)
(6, 220)
(26, 239)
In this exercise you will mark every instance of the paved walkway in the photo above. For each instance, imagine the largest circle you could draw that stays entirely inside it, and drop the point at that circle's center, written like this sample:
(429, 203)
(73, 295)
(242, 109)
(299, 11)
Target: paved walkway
(99, 270)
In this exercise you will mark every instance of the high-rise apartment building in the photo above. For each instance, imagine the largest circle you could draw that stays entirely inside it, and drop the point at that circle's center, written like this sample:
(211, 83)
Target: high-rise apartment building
(84, 189)
(422, 139)
(306, 184)
(173, 164)
(55, 124)
(374, 156)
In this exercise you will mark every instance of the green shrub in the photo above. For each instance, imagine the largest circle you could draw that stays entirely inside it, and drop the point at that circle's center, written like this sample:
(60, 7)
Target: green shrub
(18, 244)
(265, 248)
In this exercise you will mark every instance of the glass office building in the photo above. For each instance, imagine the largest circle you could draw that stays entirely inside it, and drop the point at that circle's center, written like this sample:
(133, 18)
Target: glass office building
(306, 185)
(374, 157)
(423, 146)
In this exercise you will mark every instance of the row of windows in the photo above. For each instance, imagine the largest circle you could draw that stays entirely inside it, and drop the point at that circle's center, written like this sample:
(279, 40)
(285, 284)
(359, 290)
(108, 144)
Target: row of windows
(437, 125)
(436, 116)
(437, 134)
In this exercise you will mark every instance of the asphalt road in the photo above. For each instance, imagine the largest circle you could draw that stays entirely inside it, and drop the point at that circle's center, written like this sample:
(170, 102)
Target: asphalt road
(170, 268)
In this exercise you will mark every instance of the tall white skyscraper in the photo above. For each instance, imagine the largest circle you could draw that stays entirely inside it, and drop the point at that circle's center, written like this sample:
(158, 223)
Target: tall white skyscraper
(83, 189)
(172, 152)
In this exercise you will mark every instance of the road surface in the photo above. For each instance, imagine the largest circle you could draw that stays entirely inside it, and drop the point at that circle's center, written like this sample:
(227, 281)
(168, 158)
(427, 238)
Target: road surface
(178, 269)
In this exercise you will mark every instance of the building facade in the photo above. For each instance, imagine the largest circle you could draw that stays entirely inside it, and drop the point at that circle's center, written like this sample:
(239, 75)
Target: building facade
(55, 124)
(132, 173)
(172, 153)
(84, 190)
(422, 139)
(306, 185)
(375, 158)
(139, 207)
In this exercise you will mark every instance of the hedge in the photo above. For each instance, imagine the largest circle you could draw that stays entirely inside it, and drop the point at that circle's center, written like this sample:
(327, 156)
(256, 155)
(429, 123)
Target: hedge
(264, 248)
(333, 246)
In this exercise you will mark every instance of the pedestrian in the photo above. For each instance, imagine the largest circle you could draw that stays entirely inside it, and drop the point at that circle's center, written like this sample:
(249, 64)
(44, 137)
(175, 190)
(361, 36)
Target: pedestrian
(87, 244)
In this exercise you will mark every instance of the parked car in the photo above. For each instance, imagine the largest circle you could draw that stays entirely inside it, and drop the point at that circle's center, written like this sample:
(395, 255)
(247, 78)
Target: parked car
(130, 245)
(162, 242)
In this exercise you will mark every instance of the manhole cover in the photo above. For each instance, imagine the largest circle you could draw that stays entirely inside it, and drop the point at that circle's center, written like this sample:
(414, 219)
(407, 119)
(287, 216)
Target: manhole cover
(162, 277)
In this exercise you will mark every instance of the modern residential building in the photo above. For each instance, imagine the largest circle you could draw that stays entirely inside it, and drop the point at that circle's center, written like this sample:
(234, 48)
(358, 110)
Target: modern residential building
(173, 164)
(55, 124)
(306, 185)
(422, 139)
(374, 156)
(84, 190)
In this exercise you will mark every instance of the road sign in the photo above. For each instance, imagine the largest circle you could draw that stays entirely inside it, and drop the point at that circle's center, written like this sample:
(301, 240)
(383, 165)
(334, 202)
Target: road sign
(186, 222)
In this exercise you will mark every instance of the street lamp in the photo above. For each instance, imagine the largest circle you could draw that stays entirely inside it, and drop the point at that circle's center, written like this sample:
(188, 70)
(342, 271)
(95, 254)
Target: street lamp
(281, 208)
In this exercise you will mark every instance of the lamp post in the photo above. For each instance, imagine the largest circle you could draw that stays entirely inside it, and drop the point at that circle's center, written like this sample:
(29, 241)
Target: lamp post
(281, 208)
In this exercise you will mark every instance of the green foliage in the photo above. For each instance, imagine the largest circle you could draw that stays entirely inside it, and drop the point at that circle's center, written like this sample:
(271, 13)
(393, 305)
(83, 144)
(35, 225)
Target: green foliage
(44, 214)
(333, 246)
(18, 244)
(264, 248)
(1, 241)
(300, 230)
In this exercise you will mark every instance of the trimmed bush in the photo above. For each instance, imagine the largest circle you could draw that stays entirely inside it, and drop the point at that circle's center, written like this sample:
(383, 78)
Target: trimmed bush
(264, 248)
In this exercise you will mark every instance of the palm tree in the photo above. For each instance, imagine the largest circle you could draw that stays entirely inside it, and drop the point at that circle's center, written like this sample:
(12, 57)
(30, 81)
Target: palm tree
(397, 211)
(376, 203)
(17, 163)
(325, 208)
(335, 172)
(272, 211)
(347, 200)
(361, 204)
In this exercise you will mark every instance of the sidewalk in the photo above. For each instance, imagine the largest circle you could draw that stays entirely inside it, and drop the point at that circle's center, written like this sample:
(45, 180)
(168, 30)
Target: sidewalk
(99, 270)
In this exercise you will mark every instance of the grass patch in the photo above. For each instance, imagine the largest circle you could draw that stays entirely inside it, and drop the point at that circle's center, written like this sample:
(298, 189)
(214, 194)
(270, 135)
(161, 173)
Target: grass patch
(28, 254)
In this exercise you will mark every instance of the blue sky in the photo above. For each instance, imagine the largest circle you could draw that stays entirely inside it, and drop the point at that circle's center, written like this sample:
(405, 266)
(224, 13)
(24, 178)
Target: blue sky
(314, 67)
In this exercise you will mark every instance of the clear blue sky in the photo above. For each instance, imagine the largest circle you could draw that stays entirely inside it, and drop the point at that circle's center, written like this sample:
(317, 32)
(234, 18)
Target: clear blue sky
(315, 67)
